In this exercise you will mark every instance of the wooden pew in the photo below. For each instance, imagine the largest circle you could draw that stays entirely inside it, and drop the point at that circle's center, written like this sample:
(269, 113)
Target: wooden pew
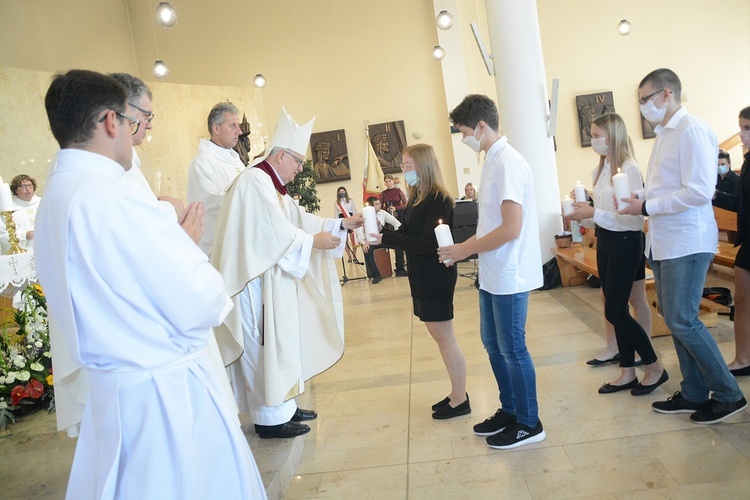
(578, 261)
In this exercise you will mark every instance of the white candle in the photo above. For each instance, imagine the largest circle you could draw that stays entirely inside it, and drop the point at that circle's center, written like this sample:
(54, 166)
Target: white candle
(580, 192)
(568, 207)
(444, 237)
(6, 199)
(622, 189)
(371, 223)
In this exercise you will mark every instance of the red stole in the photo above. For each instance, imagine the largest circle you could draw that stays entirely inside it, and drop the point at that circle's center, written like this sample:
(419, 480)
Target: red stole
(267, 168)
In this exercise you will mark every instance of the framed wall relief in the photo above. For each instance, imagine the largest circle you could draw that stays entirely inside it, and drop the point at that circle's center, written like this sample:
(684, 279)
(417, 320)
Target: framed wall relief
(590, 107)
(389, 141)
(330, 156)
(647, 128)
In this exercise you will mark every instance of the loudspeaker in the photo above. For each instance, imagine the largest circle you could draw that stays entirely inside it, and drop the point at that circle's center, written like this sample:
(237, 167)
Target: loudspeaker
(465, 217)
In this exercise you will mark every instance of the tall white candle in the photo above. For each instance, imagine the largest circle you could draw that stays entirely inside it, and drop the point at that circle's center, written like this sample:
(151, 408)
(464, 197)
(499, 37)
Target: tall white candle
(580, 192)
(621, 183)
(444, 237)
(6, 199)
(568, 207)
(371, 223)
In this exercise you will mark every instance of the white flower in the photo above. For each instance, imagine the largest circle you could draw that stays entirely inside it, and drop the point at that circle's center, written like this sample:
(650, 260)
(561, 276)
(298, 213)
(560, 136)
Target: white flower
(19, 361)
(2, 380)
(24, 376)
(37, 367)
(3, 405)
(11, 377)
(38, 343)
(46, 354)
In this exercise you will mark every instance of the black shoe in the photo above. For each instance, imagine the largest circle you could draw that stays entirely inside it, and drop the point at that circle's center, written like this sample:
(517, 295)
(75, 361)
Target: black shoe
(675, 404)
(610, 388)
(642, 390)
(740, 372)
(303, 415)
(400, 274)
(377, 280)
(447, 411)
(443, 402)
(713, 412)
(496, 423)
(517, 435)
(287, 430)
(600, 362)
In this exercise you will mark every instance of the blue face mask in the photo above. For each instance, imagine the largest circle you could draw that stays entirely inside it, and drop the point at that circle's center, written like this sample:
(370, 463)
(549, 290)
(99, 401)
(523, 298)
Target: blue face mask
(411, 177)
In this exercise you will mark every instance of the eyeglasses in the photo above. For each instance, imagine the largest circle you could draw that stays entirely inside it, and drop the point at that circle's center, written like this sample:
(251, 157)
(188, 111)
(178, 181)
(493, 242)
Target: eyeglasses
(299, 161)
(404, 166)
(149, 114)
(648, 97)
(135, 123)
(26, 186)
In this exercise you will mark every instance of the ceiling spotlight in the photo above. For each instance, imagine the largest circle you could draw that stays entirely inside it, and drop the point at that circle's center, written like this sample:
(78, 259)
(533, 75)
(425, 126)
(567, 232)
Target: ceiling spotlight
(444, 20)
(259, 81)
(438, 53)
(624, 27)
(166, 15)
(160, 69)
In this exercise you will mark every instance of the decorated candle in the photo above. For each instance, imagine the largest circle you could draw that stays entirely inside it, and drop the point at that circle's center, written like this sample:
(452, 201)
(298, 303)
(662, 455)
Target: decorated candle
(6, 199)
(444, 237)
(371, 223)
(568, 207)
(622, 189)
(580, 192)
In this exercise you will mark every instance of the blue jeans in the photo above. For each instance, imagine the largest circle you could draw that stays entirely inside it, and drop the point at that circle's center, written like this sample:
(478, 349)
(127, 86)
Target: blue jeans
(679, 287)
(503, 331)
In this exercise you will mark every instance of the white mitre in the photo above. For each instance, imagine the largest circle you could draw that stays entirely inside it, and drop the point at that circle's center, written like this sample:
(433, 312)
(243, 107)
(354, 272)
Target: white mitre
(288, 135)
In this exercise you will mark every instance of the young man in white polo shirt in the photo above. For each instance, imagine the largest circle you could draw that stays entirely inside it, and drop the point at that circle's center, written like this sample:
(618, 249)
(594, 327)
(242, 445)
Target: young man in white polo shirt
(507, 241)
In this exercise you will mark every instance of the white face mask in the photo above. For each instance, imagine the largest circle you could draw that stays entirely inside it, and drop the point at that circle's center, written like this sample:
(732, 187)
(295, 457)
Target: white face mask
(653, 114)
(745, 138)
(599, 146)
(473, 142)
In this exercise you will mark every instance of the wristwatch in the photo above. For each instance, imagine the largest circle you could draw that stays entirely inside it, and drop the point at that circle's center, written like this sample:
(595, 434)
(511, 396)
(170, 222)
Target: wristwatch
(341, 226)
(643, 209)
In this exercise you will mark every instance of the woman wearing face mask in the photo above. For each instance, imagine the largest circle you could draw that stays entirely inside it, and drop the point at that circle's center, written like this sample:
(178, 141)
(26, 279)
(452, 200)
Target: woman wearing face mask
(345, 207)
(432, 283)
(739, 201)
(619, 254)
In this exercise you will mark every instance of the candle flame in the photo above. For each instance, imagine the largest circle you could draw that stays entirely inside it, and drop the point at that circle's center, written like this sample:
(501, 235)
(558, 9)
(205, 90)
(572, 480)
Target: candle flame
(440, 221)
(619, 170)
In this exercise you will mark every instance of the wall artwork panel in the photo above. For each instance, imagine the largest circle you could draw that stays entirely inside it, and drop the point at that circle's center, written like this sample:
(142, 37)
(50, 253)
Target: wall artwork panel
(330, 156)
(590, 107)
(389, 141)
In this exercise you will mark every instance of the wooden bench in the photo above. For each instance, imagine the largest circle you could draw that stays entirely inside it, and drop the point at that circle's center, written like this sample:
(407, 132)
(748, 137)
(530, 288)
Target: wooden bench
(578, 261)
(727, 222)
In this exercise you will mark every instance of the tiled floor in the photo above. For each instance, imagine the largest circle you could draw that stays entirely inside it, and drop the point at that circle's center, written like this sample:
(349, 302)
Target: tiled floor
(375, 437)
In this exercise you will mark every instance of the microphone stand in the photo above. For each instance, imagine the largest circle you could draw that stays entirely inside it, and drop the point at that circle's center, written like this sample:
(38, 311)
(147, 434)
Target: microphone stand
(345, 279)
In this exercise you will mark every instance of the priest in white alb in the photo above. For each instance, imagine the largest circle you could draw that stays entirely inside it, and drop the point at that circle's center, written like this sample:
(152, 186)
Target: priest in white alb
(277, 262)
(135, 300)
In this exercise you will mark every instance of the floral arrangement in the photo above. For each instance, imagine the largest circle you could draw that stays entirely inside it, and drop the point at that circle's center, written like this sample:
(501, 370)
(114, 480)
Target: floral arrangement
(25, 360)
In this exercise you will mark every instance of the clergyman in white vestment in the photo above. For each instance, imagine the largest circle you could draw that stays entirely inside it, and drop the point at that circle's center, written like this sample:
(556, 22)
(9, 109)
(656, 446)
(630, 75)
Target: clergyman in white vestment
(135, 300)
(215, 166)
(277, 262)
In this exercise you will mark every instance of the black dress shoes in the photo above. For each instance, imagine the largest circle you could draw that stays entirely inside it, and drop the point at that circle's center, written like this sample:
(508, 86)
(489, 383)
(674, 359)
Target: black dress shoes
(303, 415)
(600, 362)
(287, 430)
(642, 390)
(609, 388)
(740, 372)
(447, 411)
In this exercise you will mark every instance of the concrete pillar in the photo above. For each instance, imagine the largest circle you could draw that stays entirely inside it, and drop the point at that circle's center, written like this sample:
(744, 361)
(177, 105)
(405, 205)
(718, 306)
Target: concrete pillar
(523, 103)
